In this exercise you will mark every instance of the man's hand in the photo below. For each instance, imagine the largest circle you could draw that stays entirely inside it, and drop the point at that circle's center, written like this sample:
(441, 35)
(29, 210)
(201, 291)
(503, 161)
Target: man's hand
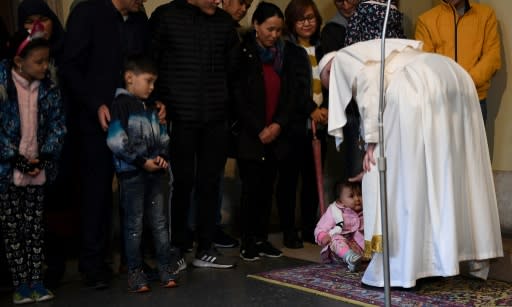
(162, 111)
(357, 178)
(270, 133)
(104, 116)
(369, 158)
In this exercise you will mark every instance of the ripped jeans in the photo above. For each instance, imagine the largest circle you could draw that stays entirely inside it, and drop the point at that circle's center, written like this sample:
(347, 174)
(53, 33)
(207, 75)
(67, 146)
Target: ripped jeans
(142, 199)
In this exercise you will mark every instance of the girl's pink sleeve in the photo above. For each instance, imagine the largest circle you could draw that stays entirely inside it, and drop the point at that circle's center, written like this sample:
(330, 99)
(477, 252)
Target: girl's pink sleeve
(323, 226)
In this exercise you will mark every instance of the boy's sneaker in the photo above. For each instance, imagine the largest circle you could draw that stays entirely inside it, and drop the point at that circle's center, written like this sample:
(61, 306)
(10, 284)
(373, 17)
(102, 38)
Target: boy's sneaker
(150, 272)
(22, 295)
(137, 282)
(352, 259)
(167, 277)
(40, 293)
(223, 240)
(248, 252)
(212, 259)
(266, 249)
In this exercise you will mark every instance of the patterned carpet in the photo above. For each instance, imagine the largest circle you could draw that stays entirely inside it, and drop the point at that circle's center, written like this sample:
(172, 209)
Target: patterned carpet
(338, 283)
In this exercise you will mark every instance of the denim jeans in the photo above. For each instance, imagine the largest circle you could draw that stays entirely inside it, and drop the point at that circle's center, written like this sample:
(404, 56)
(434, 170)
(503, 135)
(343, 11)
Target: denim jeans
(142, 199)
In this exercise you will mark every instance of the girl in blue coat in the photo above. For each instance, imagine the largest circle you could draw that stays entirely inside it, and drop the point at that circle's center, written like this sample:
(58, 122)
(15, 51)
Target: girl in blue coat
(31, 138)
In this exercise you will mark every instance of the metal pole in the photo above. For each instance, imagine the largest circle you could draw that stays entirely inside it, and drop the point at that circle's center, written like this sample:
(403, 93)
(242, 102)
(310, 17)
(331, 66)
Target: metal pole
(381, 163)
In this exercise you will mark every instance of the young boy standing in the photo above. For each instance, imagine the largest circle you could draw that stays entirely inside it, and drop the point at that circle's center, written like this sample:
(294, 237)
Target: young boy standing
(140, 145)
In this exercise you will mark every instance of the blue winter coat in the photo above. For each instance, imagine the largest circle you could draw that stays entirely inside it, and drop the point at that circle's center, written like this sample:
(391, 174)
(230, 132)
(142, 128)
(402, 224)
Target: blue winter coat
(50, 131)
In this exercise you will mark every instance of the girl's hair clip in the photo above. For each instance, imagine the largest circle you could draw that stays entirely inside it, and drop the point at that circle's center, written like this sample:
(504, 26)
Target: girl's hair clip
(37, 31)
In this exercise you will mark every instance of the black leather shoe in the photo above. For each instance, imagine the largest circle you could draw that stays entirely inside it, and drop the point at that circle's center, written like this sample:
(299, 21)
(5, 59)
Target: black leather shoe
(308, 236)
(292, 240)
(96, 280)
(53, 276)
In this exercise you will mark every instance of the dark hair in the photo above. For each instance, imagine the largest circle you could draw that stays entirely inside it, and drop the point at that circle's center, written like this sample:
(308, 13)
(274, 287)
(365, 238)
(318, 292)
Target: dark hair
(4, 39)
(295, 11)
(39, 7)
(340, 185)
(140, 64)
(18, 38)
(264, 11)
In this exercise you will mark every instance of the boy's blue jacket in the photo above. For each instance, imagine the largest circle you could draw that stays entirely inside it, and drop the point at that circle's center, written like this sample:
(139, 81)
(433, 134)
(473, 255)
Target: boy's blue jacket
(135, 133)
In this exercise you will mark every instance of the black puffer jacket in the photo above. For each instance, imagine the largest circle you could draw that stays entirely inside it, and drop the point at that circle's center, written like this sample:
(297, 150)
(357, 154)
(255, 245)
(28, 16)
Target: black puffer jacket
(250, 100)
(194, 53)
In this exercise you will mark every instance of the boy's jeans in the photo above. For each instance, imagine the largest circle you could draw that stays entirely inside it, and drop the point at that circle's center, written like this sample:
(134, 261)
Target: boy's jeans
(142, 198)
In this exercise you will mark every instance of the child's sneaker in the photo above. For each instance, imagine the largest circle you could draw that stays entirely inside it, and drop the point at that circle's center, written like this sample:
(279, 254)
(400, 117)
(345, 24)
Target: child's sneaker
(22, 294)
(137, 282)
(40, 293)
(352, 259)
(167, 278)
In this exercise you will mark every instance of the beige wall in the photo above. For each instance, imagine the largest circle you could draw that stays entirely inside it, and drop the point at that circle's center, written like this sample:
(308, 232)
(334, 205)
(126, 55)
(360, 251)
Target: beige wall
(499, 126)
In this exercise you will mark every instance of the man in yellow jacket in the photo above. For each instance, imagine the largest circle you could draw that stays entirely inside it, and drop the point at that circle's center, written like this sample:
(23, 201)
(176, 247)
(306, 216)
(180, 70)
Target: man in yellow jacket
(468, 33)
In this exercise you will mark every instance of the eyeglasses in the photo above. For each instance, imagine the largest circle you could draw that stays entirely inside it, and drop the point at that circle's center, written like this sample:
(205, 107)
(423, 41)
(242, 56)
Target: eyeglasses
(310, 19)
(352, 2)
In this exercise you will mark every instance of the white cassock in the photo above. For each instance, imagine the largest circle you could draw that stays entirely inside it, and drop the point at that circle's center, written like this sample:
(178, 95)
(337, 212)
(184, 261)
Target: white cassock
(440, 192)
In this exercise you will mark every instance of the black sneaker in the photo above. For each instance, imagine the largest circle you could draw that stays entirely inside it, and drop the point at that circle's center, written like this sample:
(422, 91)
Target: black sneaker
(212, 259)
(222, 239)
(266, 249)
(248, 252)
(178, 262)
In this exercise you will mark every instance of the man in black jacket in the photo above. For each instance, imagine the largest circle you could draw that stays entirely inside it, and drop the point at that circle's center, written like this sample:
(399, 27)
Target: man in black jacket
(193, 43)
(100, 34)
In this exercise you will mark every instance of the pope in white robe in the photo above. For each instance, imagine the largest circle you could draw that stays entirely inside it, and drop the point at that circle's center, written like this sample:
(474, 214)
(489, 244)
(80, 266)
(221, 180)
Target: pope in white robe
(441, 200)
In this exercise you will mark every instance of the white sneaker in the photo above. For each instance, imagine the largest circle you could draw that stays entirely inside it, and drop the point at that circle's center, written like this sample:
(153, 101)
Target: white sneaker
(212, 259)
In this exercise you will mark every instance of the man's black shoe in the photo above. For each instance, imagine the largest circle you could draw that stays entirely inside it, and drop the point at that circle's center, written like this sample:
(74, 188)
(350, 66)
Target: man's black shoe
(292, 240)
(96, 280)
(223, 240)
